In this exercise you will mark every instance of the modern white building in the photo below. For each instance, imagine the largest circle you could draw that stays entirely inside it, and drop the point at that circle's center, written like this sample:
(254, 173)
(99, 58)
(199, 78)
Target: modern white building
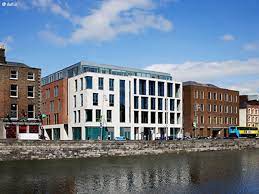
(111, 102)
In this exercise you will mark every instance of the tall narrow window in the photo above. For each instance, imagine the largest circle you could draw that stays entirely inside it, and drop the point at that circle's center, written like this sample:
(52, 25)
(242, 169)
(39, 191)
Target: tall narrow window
(122, 101)
(76, 85)
(144, 102)
(100, 83)
(88, 115)
(30, 91)
(98, 115)
(152, 88)
(74, 101)
(13, 111)
(55, 91)
(160, 103)
(14, 91)
(81, 83)
(142, 87)
(170, 89)
(30, 111)
(109, 116)
(135, 102)
(111, 84)
(95, 99)
(161, 89)
(153, 103)
(135, 86)
(52, 106)
(82, 99)
(111, 100)
(89, 82)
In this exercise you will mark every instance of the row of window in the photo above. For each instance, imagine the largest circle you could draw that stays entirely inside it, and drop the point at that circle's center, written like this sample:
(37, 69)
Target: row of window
(159, 102)
(217, 120)
(95, 99)
(253, 119)
(56, 119)
(14, 75)
(89, 116)
(142, 85)
(89, 83)
(215, 96)
(159, 119)
(14, 91)
(253, 111)
(56, 92)
(14, 111)
(217, 108)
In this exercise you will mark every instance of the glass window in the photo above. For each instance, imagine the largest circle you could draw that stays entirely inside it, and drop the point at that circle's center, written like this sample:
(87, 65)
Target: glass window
(171, 104)
(100, 83)
(135, 86)
(55, 91)
(30, 91)
(122, 101)
(135, 116)
(30, 76)
(144, 102)
(76, 85)
(95, 99)
(30, 111)
(81, 83)
(153, 117)
(59, 105)
(88, 115)
(89, 82)
(172, 120)
(14, 111)
(111, 84)
(170, 89)
(75, 101)
(144, 117)
(135, 102)
(153, 104)
(51, 106)
(142, 87)
(160, 104)
(98, 115)
(82, 99)
(109, 116)
(152, 88)
(111, 100)
(161, 89)
(14, 90)
(75, 117)
(14, 74)
(160, 117)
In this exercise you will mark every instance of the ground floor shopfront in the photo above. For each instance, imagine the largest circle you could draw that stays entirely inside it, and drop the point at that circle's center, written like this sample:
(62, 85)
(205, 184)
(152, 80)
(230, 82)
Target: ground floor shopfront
(27, 130)
(73, 132)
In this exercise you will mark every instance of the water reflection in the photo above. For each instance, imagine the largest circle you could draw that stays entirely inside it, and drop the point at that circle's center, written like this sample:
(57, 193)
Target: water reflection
(211, 172)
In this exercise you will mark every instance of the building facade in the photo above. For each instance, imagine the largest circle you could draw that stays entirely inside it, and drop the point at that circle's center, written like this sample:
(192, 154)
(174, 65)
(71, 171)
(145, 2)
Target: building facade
(105, 102)
(19, 99)
(209, 110)
(249, 111)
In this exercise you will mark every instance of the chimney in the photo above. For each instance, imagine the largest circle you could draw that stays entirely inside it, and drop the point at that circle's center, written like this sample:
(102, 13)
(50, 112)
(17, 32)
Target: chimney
(2, 54)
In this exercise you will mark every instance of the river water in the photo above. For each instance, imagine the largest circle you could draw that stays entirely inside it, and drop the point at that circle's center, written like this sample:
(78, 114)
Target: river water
(206, 172)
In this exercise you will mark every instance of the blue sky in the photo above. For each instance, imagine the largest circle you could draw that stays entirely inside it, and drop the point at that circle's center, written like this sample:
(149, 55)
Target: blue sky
(204, 40)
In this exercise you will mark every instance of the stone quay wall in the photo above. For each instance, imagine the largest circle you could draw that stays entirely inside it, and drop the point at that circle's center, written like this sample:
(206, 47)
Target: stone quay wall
(41, 150)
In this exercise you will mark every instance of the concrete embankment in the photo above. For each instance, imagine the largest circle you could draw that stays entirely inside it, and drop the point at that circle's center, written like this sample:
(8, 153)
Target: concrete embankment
(39, 150)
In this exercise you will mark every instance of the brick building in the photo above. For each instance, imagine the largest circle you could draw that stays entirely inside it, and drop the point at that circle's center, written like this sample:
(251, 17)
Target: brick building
(208, 110)
(54, 105)
(249, 111)
(19, 98)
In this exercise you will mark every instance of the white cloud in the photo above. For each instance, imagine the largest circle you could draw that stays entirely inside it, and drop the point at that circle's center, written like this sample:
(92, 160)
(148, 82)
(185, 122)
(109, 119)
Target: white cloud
(214, 71)
(253, 46)
(248, 87)
(53, 38)
(6, 41)
(111, 19)
(227, 37)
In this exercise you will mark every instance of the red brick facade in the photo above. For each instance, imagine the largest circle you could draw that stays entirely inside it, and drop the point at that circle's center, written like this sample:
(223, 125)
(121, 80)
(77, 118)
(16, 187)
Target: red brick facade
(55, 93)
(216, 110)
